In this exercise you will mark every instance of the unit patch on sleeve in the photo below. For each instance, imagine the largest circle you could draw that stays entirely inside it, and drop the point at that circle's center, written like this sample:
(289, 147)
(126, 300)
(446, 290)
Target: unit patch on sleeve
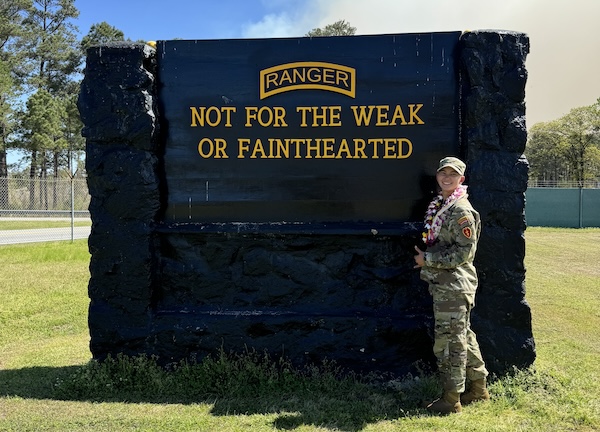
(467, 232)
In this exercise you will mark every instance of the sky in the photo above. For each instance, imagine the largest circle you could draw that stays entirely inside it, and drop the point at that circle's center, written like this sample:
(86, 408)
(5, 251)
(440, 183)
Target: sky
(563, 64)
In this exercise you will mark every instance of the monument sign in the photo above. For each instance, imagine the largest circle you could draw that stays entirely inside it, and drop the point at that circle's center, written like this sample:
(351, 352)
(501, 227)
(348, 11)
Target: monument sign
(268, 193)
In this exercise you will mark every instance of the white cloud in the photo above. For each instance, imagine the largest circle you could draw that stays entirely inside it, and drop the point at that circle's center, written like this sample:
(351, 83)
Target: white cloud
(283, 18)
(270, 26)
(564, 36)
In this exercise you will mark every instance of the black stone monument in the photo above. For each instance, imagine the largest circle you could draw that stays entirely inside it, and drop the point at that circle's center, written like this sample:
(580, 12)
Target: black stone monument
(268, 194)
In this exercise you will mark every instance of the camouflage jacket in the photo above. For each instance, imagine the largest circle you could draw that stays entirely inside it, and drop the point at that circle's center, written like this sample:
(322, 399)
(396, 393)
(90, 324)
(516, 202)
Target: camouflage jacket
(449, 261)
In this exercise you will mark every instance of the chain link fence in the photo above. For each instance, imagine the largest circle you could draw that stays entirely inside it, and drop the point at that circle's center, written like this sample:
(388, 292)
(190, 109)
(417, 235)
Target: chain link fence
(34, 210)
(564, 184)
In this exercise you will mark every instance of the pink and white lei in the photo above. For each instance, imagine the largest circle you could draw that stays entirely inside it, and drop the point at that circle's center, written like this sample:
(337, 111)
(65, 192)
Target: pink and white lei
(434, 217)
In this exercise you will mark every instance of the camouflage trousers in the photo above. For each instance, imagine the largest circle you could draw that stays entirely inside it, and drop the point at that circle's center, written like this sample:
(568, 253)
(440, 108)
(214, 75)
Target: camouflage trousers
(455, 346)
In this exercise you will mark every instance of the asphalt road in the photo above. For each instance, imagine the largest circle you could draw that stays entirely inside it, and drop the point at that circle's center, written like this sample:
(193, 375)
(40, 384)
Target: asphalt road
(42, 235)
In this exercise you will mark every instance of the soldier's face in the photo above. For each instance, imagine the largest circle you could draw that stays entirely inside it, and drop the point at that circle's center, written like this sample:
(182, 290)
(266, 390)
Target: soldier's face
(448, 180)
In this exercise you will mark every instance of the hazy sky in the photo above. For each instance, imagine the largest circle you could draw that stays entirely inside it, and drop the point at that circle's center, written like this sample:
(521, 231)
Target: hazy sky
(563, 64)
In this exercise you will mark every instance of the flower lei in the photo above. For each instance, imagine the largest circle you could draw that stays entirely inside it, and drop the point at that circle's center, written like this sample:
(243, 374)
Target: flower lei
(434, 215)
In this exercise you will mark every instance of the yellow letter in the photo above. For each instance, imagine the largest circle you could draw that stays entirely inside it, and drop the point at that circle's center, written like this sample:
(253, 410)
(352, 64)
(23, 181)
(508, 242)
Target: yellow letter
(328, 148)
(375, 141)
(382, 112)
(217, 112)
(258, 148)
(283, 147)
(303, 110)
(314, 74)
(344, 148)
(228, 111)
(398, 114)
(243, 146)
(413, 114)
(400, 147)
(250, 114)
(269, 118)
(279, 117)
(285, 76)
(359, 147)
(322, 117)
(203, 154)
(313, 147)
(342, 77)
(199, 116)
(328, 75)
(297, 142)
(220, 146)
(390, 148)
(361, 118)
(334, 113)
(271, 79)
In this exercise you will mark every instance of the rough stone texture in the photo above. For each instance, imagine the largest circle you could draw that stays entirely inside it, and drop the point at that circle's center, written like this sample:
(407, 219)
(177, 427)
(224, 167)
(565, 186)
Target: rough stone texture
(494, 136)
(117, 106)
(351, 298)
(347, 293)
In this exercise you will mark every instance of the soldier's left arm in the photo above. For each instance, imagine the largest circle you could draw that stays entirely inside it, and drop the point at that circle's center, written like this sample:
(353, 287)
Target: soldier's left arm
(462, 231)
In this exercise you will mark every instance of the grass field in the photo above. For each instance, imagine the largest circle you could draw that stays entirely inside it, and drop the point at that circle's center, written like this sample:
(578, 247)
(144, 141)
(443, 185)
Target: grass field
(48, 384)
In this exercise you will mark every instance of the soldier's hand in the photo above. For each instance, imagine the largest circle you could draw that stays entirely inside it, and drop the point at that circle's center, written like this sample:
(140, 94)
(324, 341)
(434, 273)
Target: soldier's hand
(419, 258)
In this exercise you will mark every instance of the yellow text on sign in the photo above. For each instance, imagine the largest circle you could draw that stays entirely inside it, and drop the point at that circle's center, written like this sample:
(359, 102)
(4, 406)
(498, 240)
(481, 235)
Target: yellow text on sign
(211, 116)
(308, 76)
(324, 148)
(265, 116)
(382, 115)
(208, 148)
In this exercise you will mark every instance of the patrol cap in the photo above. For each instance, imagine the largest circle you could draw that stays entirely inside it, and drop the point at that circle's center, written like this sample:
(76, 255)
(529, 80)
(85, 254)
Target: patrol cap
(455, 163)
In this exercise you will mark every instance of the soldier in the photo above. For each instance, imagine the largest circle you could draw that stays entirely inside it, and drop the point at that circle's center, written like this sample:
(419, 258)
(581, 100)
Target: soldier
(452, 230)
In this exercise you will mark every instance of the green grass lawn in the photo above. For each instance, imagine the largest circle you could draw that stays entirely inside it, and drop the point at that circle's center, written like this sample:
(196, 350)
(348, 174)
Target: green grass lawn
(48, 384)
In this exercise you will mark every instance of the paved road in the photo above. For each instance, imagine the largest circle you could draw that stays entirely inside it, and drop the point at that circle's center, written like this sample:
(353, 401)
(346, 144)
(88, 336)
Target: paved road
(42, 235)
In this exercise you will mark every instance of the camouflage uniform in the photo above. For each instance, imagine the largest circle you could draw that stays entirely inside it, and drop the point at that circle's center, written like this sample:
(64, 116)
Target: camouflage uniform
(452, 282)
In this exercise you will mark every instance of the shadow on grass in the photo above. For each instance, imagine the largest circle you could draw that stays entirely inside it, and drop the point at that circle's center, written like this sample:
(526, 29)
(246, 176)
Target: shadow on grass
(34, 382)
(348, 409)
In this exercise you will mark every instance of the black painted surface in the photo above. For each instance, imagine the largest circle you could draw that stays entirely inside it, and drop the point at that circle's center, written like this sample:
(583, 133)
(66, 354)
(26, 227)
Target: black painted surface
(494, 135)
(307, 296)
(391, 71)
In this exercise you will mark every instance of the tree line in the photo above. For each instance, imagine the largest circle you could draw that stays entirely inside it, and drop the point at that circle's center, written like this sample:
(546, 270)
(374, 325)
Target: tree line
(566, 150)
(41, 60)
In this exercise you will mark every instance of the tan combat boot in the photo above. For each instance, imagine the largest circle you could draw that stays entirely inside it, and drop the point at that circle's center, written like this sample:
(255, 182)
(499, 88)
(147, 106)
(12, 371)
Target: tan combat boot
(447, 404)
(477, 392)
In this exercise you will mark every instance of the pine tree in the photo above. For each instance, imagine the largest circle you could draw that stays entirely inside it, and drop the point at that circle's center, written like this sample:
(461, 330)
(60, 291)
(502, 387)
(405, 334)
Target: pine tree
(53, 57)
(101, 33)
(43, 122)
(12, 13)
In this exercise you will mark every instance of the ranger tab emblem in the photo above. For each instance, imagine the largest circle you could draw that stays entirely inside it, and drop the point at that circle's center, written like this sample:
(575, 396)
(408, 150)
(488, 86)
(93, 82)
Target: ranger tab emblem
(463, 220)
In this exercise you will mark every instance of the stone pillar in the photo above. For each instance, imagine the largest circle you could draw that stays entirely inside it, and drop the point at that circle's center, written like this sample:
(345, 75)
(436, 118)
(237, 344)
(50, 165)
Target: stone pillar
(117, 105)
(493, 138)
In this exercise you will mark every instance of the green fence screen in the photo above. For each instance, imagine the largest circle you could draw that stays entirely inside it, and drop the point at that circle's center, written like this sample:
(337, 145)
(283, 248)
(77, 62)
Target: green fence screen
(568, 208)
